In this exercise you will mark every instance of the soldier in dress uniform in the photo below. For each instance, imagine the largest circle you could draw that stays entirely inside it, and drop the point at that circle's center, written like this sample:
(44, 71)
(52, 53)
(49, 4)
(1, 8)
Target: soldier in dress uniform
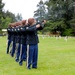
(13, 39)
(23, 49)
(18, 39)
(9, 37)
(32, 42)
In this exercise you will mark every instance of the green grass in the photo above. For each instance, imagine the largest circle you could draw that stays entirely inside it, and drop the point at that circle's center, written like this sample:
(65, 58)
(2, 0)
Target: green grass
(56, 57)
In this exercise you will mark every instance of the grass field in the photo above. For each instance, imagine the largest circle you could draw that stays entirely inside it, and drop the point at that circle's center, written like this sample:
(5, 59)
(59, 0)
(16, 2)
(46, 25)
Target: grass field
(56, 57)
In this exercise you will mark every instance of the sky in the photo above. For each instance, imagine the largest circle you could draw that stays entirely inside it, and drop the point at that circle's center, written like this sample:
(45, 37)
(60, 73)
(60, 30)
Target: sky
(25, 7)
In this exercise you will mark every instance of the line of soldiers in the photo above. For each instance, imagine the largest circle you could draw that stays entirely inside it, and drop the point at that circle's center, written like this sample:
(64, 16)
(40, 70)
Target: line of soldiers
(23, 41)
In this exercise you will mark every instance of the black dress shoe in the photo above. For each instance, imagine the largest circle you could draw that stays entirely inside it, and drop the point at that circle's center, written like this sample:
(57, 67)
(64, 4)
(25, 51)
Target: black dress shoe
(20, 63)
(34, 67)
(28, 68)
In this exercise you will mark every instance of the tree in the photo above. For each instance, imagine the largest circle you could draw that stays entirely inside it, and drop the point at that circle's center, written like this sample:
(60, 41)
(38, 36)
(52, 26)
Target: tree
(72, 21)
(60, 12)
(39, 14)
(7, 17)
(5, 22)
(18, 17)
(10, 18)
(1, 12)
(10, 15)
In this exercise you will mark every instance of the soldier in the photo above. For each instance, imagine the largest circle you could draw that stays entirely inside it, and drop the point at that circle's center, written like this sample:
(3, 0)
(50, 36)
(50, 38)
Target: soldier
(32, 42)
(23, 49)
(18, 41)
(13, 40)
(9, 37)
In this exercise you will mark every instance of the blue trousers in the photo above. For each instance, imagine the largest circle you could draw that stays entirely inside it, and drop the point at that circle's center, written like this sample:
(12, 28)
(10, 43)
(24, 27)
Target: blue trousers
(23, 53)
(13, 48)
(32, 56)
(8, 45)
(18, 52)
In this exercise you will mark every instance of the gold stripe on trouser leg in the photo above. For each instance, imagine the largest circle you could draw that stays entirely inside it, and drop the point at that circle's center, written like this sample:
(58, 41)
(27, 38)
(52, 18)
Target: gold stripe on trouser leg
(20, 52)
(27, 54)
(16, 49)
(10, 48)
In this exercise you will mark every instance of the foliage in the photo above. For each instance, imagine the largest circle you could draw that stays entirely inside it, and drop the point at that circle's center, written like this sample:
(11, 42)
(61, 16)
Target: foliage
(68, 32)
(18, 17)
(54, 26)
(5, 22)
(1, 12)
(7, 17)
(59, 14)
(72, 23)
(10, 15)
(39, 14)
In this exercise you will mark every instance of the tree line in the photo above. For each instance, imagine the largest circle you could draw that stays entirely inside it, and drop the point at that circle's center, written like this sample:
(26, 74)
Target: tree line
(60, 16)
(7, 17)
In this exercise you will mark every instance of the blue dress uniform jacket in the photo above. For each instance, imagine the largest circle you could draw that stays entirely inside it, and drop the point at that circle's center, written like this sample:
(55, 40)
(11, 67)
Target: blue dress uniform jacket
(18, 39)
(32, 46)
(23, 35)
(9, 39)
(9, 33)
(32, 37)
